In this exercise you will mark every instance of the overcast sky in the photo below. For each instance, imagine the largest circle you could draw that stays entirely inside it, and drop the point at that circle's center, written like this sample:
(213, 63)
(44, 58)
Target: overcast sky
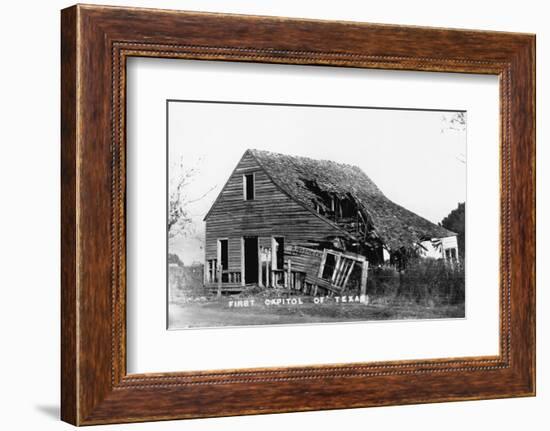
(414, 157)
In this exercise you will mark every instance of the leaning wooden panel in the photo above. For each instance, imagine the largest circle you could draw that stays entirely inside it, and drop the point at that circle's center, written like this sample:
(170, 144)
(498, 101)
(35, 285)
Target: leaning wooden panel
(96, 41)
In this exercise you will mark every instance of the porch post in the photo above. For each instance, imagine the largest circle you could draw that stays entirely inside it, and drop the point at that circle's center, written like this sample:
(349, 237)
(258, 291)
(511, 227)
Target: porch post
(219, 270)
(364, 270)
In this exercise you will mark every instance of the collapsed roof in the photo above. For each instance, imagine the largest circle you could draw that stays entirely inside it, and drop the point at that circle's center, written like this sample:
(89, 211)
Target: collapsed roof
(310, 181)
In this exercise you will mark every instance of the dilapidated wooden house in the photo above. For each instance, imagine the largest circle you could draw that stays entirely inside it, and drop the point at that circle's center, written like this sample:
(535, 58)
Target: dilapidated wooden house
(296, 221)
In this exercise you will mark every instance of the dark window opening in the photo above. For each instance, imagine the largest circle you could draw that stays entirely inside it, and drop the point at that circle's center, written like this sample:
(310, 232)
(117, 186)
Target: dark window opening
(348, 208)
(336, 207)
(330, 264)
(249, 187)
(224, 254)
(251, 259)
(280, 253)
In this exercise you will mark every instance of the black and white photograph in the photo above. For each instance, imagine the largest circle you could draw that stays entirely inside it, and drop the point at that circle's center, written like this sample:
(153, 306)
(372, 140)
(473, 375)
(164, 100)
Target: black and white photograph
(305, 214)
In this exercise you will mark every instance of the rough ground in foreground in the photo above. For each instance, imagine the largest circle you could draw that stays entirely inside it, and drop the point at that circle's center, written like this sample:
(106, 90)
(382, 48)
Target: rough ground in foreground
(216, 313)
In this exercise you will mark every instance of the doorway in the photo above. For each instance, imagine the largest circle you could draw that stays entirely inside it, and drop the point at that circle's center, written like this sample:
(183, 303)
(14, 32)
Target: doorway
(250, 259)
(223, 258)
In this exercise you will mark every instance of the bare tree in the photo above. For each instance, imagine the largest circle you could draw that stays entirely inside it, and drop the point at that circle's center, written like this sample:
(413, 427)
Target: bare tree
(179, 216)
(455, 121)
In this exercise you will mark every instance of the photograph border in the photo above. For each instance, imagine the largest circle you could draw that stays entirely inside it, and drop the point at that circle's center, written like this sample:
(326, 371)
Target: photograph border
(301, 105)
(95, 43)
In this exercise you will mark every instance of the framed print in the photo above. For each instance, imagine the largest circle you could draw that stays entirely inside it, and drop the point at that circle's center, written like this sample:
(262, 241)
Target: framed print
(322, 214)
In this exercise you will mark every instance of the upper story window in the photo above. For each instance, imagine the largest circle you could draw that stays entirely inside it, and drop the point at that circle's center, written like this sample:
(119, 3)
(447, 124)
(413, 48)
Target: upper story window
(248, 187)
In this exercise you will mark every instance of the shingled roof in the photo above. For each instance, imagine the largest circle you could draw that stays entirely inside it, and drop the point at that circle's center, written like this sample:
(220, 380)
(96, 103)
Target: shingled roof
(395, 225)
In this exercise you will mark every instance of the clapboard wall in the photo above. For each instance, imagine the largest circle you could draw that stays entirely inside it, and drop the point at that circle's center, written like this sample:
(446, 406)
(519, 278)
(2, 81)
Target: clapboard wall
(271, 213)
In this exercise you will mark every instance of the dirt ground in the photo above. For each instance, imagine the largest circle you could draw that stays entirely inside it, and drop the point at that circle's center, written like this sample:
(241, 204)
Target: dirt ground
(216, 312)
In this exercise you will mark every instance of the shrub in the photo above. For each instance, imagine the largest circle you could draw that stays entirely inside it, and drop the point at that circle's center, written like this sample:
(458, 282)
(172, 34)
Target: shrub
(424, 281)
(383, 283)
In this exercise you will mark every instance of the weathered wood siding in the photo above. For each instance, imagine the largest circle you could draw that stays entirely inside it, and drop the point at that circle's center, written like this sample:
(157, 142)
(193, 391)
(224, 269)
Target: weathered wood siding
(308, 262)
(271, 213)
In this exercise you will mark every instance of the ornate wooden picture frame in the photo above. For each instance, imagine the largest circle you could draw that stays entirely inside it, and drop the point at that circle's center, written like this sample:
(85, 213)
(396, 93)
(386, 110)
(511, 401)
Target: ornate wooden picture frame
(96, 41)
